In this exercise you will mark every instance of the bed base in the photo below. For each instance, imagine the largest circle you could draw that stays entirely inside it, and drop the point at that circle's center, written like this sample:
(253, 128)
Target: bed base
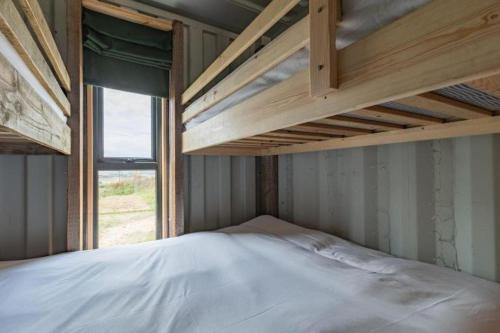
(407, 62)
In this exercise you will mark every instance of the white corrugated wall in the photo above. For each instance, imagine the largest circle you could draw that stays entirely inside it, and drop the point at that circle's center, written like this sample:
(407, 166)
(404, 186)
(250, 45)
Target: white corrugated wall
(219, 190)
(435, 201)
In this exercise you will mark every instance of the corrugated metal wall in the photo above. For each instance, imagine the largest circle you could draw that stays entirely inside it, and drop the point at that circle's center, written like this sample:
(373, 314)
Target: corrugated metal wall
(436, 201)
(220, 190)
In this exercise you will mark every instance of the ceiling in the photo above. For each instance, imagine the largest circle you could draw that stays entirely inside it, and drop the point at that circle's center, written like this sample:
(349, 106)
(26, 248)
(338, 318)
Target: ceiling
(233, 15)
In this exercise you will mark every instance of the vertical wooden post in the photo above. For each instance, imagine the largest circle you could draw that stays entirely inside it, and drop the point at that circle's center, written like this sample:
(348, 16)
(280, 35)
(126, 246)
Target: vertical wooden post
(75, 160)
(88, 153)
(323, 59)
(164, 167)
(176, 171)
(267, 185)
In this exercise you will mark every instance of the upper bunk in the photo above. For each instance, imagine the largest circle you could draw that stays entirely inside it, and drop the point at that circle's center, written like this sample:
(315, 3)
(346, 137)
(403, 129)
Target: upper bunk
(33, 106)
(383, 72)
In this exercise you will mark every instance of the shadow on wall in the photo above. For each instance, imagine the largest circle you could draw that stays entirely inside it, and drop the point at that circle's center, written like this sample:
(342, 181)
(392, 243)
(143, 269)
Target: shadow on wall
(434, 201)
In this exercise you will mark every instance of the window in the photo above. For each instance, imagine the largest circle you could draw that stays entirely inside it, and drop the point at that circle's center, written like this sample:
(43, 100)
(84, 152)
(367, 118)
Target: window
(127, 173)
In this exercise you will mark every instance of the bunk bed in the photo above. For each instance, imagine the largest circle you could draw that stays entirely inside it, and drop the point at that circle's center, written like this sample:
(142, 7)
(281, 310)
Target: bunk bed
(33, 106)
(413, 73)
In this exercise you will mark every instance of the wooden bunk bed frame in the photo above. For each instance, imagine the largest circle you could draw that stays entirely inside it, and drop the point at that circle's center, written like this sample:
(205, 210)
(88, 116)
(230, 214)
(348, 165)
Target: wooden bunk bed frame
(28, 124)
(335, 103)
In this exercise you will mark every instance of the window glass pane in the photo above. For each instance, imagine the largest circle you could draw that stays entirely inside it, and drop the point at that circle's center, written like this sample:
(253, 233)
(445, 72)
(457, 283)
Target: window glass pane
(126, 124)
(127, 207)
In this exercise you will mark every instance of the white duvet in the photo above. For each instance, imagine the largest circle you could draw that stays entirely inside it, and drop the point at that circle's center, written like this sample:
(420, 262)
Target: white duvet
(263, 276)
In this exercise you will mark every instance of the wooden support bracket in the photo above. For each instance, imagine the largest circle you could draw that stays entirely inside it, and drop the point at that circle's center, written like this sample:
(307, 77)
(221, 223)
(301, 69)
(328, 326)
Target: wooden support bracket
(323, 59)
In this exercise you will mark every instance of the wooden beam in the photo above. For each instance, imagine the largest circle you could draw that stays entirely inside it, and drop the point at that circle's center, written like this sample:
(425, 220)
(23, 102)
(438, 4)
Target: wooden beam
(266, 176)
(292, 40)
(372, 125)
(329, 129)
(479, 126)
(88, 156)
(16, 32)
(375, 70)
(27, 117)
(176, 168)
(266, 19)
(446, 106)
(323, 65)
(164, 135)
(287, 133)
(128, 14)
(396, 116)
(489, 85)
(272, 139)
(75, 160)
(33, 12)
(228, 151)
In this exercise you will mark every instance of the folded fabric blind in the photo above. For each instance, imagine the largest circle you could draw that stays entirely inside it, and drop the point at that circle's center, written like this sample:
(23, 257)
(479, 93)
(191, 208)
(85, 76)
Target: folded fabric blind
(125, 56)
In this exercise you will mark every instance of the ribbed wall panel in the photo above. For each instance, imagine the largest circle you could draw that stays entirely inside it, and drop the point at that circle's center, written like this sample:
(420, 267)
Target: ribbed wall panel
(435, 201)
(220, 191)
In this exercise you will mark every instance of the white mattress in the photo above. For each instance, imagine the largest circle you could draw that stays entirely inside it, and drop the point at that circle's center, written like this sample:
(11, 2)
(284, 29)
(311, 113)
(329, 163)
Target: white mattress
(263, 276)
(360, 18)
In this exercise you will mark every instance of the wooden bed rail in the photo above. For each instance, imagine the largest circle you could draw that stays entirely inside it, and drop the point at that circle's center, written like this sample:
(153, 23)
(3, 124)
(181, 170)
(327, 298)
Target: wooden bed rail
(17, 33)
(128, 14)
(264, 21)
(418, 53)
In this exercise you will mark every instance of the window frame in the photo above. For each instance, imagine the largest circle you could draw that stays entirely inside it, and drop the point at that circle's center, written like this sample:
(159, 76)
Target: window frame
(102, 163)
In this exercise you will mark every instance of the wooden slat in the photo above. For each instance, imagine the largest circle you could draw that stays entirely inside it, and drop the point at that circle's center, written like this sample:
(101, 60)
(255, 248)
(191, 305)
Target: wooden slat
(329, 129)
(266, 178)
(292, 40)
(227, 151)
(272, 139)
(176, 167)
(33, 12)
(446, 106)
(425, 45)
(490, 85)
(74, 232)
(372, 125)
(266, 19)
(23, 114)
(396, 116)
(323, 65)
(471, 127)
(16, 32)
(128, 14)
(286, 133)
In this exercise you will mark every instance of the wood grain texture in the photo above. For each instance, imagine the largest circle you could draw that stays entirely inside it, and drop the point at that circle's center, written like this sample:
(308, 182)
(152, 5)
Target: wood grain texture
(33, 12)
(292, 40)
(323, 65)
(266, 19)
(446, 106)
(470, 127)
(16, 32)
(490, 85)
(373, 125)
(25, 117)
(375, 70)
(399, 117)
(176, 167)
(266, 176)
(88, 156)
(75, 161)
(128, 14)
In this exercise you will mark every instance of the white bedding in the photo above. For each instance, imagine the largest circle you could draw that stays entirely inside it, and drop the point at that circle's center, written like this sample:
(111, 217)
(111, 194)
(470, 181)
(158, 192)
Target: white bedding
(263, 276)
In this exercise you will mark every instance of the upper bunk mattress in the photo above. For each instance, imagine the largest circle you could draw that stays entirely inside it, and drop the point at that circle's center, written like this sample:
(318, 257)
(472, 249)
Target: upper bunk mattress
(359, 19)
(263, 276)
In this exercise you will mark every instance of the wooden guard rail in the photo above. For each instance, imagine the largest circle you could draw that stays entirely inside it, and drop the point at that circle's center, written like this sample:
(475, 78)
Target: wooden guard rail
(266, 19)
